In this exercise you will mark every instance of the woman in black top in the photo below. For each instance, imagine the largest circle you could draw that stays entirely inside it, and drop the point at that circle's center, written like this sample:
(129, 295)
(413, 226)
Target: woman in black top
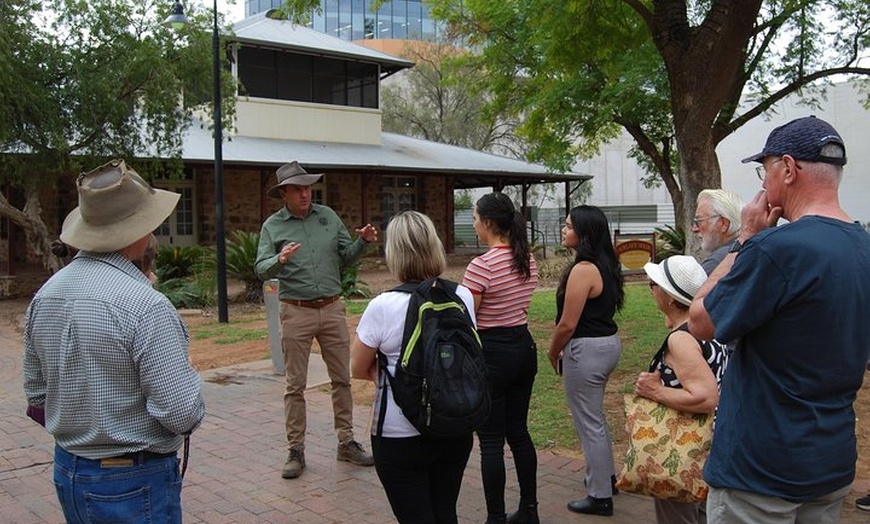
(586, 348)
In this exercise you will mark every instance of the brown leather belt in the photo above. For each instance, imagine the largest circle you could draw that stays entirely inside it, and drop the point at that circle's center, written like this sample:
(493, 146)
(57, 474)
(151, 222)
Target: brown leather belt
(132, 459)
(314, 304)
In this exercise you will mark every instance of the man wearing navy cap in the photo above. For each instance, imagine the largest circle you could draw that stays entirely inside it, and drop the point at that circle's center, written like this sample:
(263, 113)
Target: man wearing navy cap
(795, 299)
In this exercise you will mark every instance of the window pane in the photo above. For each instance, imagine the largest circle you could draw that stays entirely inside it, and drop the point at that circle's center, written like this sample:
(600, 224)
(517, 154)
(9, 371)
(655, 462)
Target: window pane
(370, 19)
(415, 20)
(357, 20)
(293, 77)
(184, 212)
(385, 26)
(359, 79)
(330, 13)
(388, 204)
(370, 82)
(400, 20)
(257, 72)
(330, 81)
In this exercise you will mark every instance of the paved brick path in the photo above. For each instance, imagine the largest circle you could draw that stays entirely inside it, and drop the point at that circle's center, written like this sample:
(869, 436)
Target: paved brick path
(234, 472)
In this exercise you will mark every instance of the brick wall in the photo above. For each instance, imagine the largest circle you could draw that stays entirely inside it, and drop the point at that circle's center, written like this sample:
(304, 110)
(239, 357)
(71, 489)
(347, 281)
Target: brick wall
(355, 196)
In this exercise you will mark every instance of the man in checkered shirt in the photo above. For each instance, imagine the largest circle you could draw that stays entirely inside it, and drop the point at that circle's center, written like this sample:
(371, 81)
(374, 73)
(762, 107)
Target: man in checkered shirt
(105, 360)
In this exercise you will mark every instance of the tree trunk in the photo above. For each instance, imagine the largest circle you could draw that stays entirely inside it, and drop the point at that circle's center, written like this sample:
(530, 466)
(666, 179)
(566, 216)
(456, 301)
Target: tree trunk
(699, 170)
(35, 231)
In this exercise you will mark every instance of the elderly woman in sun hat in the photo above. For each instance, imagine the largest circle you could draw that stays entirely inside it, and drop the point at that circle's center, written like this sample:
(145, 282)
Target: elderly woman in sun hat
(686, 370)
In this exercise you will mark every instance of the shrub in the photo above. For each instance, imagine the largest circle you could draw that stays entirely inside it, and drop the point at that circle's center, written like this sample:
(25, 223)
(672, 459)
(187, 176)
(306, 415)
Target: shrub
(181, 261)
(241, 258)
(669, 241)
(351, 286)
(185, 274)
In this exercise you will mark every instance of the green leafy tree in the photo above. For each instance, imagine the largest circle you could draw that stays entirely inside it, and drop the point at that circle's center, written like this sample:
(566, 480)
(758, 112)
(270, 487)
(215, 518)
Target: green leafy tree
(671, 73)
(82, 82)
(443, 98)
(462, 199)
(679, 76)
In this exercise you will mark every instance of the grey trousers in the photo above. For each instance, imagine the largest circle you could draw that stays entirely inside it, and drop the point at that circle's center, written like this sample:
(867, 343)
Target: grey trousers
(731, 506)
(587, 364)
(669, 512)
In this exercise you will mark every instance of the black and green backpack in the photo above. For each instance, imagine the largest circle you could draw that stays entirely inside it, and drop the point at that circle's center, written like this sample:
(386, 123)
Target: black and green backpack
(440, 380)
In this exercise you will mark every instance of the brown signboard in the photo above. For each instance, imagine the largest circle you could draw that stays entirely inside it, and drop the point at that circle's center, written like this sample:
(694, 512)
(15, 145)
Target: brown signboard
(635, 250)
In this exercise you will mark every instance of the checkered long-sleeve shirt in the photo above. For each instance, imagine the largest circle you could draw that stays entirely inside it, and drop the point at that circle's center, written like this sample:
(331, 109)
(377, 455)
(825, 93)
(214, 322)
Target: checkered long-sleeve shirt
(107, 356)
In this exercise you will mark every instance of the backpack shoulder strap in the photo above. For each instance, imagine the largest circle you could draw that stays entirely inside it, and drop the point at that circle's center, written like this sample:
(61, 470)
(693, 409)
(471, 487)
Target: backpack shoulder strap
(407, 287)
(385, 379)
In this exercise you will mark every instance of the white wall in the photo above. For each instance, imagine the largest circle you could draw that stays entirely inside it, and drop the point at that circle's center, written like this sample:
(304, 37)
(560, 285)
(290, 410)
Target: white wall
(617, 177)
(843, 110)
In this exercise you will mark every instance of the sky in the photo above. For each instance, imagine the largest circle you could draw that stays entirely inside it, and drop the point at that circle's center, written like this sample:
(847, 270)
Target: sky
(233, 10)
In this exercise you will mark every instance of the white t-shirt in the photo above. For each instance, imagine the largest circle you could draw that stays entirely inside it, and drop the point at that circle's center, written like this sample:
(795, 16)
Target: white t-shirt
(381, 327)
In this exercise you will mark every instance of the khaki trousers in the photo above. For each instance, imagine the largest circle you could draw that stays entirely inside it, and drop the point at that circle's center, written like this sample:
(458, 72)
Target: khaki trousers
(731, 506)
(299, 326)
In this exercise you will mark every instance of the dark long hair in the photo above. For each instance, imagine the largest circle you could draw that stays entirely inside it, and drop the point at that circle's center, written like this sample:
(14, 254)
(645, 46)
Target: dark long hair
(594, 245)
(507, 221)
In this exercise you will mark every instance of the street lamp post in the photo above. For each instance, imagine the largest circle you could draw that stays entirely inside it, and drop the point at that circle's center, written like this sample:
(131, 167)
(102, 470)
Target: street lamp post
(177, 20)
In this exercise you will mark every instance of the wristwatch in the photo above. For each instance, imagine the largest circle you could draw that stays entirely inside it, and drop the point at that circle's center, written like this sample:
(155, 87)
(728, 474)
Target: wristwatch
(736, 247)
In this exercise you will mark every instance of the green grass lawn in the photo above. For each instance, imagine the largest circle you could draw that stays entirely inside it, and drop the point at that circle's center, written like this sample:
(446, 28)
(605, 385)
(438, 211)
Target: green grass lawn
(641, 327)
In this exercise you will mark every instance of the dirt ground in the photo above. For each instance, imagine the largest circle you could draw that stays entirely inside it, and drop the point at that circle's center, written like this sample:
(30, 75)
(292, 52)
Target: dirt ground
(205, 356)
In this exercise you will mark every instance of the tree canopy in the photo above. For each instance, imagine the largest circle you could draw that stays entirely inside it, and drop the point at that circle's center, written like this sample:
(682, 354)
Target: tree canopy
(81, 82)
(678, 75)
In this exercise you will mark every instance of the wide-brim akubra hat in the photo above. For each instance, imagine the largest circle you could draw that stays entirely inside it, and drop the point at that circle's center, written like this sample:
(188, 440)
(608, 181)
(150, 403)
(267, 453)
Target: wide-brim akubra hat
(680, 276)
(292, 173)
(116, 208)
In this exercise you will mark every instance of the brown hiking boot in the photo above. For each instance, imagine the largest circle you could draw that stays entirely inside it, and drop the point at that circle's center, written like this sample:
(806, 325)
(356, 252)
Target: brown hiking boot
(294, 465)
(354, 453)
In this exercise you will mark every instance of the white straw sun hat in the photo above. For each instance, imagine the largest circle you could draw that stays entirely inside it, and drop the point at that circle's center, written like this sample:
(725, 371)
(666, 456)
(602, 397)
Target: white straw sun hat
(116, 208)
(680, 276)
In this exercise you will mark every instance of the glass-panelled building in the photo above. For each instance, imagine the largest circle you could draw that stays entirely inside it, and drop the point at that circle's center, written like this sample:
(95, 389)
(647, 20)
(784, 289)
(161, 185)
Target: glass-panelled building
(355, 20)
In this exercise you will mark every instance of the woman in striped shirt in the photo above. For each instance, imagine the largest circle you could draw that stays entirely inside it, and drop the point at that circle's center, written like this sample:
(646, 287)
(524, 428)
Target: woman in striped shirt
(502, 281)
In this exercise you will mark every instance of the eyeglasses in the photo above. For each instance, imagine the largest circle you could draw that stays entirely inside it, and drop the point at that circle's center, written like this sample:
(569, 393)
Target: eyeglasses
(697, 220)
(761, 170)
(653, 285)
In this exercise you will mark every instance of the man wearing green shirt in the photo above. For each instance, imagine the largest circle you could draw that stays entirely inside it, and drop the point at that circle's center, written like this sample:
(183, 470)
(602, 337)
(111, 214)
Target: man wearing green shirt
(304, 245)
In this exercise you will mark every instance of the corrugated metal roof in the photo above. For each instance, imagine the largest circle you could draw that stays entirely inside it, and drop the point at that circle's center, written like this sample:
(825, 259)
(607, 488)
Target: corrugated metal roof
(262, 30)
(396, 153)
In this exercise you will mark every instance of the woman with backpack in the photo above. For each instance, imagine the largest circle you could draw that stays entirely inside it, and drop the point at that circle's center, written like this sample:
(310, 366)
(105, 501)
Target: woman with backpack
(502, 281)
(585, 347)
(421, 474)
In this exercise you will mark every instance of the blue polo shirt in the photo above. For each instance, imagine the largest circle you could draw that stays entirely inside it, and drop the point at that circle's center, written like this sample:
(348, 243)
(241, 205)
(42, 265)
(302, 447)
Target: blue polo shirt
(797, 302)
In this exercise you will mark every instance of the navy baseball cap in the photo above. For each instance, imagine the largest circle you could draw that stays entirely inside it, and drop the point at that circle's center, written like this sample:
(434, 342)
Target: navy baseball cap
(802, 139)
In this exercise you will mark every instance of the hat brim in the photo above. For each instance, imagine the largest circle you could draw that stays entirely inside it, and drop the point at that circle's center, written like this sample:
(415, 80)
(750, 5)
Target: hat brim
(118, 235)
(759, 157)
(296, 180)
(657, 275)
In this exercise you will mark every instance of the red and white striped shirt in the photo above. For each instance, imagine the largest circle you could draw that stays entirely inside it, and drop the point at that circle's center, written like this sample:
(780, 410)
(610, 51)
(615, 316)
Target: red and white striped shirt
(505, 294)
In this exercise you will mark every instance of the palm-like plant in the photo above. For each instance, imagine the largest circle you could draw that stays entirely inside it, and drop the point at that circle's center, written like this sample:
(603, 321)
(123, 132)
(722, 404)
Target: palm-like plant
(241, 257)
(670, 241)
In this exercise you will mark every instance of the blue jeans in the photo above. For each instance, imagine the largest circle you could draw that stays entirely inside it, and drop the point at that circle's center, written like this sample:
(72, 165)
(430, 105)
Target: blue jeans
(147, 492)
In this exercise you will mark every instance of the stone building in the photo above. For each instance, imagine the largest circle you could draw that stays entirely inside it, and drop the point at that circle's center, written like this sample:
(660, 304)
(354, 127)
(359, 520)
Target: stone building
(313, 98)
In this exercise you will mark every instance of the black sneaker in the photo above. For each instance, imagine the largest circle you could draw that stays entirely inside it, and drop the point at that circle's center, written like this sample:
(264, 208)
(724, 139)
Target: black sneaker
(863, 503)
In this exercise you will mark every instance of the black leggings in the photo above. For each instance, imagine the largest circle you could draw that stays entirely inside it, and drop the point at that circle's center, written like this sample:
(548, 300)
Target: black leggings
(422, 476)
(511, 363)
